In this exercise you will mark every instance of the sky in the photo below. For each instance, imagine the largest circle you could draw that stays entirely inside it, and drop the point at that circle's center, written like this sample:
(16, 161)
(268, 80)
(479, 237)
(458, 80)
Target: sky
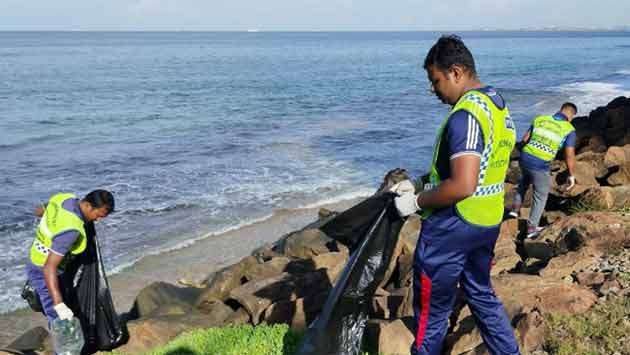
(311, 15)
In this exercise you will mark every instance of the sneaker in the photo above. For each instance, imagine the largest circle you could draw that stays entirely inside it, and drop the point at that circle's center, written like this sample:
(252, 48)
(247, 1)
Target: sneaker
(533, 232)
(513, 214)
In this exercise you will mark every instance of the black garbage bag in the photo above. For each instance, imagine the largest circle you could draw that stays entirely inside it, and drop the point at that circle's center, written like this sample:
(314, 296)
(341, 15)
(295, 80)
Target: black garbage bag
(370, 230)
(87, 294)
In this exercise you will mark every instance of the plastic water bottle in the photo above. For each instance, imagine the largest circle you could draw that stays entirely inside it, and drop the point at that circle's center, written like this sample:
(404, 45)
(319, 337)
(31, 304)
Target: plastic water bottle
(67, 336)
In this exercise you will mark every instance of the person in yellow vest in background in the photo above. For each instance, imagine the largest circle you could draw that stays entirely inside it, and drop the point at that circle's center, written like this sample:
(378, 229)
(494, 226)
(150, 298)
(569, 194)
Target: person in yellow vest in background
(462, 204)
(59, 237)
(546, 136)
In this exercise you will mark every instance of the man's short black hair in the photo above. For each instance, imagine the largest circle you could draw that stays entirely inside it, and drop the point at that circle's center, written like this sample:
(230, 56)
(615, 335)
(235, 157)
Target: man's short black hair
(569, 105)
(448, 51)
(101, 198)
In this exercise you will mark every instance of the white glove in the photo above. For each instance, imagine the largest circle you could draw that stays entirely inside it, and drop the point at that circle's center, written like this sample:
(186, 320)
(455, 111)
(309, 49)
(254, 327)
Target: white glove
(571, 182)
(406, 204)
(63, 312)
(403, 187)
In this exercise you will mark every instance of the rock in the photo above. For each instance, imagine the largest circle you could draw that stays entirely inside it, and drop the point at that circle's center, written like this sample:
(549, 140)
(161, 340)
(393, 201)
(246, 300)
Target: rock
(402, 256)
(34, 339)
(595, 144)
(616, 156)
(599, 231)
(333, 263)
(598, 197)
(217, 310)
(565, 265)
(585, 174)
(621, 196)
(237, 318)
(256, 296)
(145, 334)
(390, 337)
(308, 243)
(505, 255)
(258, 271)
(621, 176)
(596, 161)
(227, 279)
(589, 279)
(298, 313)
(531, 332)
(546, 295)
(610, 286)
(551, 217)
(396, 304)
(161, 293)
(266, 252)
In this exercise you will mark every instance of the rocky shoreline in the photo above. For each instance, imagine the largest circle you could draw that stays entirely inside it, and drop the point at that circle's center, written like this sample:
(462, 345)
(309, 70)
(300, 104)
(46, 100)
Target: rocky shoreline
(580, 259)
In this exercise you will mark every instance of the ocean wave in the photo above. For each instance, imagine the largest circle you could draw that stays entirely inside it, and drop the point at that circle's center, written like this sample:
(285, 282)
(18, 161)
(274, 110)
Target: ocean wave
(157, 210)
(588, 95)
(360, 193)
(623, 72)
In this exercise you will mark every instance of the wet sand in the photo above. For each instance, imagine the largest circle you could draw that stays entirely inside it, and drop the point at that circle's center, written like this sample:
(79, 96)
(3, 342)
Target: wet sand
(193, 262)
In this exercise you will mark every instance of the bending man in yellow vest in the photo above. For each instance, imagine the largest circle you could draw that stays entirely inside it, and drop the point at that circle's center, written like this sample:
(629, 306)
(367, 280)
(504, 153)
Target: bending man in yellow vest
(462, 204)
(546, 136)
(59, 237)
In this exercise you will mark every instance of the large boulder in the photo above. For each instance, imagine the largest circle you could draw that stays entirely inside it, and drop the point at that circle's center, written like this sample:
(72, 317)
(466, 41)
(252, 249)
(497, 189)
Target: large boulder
(159, 294)
(390, 336)
(621, 176)
(256, 296)
(262, 270)
(597, 197)
(531, 332)
(505, 255)
(599, 232)
(298, 314)
(35, 339)
(227, 279)
(145, 334)
(398, 271)
(621, 196)
(596, 161)
(392, 305)
(308, 243)
(616, 156)
(546, 295)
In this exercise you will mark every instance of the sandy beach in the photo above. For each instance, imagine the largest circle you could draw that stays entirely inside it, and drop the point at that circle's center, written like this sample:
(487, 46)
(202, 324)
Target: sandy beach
(193, 262)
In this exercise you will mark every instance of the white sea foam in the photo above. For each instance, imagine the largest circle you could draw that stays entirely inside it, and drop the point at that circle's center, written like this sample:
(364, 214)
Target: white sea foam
(363, 192)
(589, 95)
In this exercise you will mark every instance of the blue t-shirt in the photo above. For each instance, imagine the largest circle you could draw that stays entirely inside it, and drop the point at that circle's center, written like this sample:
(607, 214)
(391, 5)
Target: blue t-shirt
(462, 135)
(531, 162)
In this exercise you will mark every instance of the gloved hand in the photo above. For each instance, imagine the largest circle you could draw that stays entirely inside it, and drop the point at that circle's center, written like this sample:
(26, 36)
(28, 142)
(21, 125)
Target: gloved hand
(63, 312)
(571, 180)
(403, 187)
(406, 204)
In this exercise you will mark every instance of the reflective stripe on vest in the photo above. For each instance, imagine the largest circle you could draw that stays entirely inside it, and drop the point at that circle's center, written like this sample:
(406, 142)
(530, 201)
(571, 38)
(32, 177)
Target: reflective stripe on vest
(485, 206)
(546, 137)
(55, 221)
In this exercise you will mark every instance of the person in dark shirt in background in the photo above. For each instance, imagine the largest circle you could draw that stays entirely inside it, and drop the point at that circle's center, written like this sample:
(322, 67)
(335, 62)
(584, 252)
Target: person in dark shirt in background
(59, 237)
(545, 137)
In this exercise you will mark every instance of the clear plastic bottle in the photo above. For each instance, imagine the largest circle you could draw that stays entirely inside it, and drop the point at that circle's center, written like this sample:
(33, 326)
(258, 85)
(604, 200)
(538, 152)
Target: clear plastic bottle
(67, 336)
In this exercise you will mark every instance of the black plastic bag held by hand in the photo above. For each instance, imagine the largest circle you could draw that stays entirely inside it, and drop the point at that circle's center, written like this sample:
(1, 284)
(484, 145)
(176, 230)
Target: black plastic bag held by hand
(370, 230)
